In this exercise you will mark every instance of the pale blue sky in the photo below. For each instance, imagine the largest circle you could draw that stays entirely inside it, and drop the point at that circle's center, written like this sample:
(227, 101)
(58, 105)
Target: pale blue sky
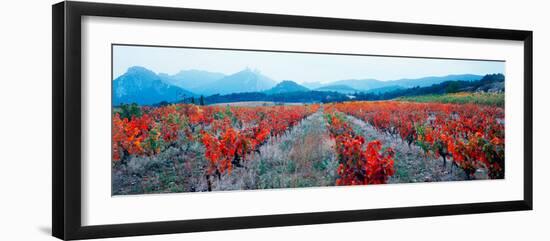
(293, 66)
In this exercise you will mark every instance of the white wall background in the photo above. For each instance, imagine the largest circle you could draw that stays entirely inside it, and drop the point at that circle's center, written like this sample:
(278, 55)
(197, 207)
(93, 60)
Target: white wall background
(25, 120)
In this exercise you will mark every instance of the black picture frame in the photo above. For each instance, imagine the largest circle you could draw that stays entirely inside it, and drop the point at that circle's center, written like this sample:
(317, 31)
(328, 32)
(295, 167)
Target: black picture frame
(66, 75)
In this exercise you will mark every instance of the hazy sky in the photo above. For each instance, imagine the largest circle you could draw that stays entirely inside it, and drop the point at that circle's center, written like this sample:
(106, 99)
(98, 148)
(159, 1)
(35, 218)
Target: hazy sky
(293, 66)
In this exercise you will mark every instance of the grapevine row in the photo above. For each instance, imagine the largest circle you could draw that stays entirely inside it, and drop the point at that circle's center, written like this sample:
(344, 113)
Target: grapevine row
(358, 165)
(472, 135)
(227, 145)
(228, 134)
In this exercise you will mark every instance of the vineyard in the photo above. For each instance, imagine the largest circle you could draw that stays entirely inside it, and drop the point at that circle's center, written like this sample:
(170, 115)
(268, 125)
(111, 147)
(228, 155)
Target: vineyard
(194, 148)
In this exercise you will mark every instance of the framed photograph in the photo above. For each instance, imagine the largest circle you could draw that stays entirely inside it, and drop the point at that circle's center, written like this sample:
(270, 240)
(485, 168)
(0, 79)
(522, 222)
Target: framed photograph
(171, 120)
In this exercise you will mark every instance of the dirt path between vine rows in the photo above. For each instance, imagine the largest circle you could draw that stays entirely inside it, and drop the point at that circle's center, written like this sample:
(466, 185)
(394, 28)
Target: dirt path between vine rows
(302, 157)
(411, 164)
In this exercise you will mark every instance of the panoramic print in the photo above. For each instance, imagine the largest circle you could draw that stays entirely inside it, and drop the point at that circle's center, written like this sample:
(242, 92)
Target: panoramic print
(201, 120)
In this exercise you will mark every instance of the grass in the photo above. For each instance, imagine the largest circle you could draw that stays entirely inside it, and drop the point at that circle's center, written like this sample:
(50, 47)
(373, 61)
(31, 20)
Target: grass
(303, 157)
(492, 99)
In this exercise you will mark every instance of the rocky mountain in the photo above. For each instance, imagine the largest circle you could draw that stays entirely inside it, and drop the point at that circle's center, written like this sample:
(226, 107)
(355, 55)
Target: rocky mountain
(247, 80)
(142, 86)
(192, 80)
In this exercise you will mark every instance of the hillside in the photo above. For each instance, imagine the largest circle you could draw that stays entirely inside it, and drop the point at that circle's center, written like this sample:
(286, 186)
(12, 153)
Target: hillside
(286, 86)
(385, 89)
(488, 83)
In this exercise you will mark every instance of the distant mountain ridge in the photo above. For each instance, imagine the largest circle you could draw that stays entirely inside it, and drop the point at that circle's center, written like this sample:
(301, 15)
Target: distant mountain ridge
(143, 86)
(427, 81)
(493, 83)
(368, 84)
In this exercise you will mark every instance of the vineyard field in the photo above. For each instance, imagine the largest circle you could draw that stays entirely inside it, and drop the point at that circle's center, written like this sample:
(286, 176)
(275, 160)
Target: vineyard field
(190, 147)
